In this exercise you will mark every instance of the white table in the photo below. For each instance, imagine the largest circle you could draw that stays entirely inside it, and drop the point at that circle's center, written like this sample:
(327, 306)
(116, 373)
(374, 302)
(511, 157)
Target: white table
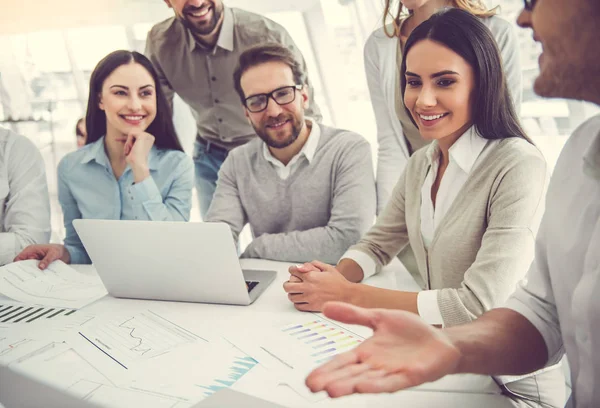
(453, 391)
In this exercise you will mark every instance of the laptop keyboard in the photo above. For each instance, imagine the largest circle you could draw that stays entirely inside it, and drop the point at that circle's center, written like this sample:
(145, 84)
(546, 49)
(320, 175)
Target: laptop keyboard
(251, 285)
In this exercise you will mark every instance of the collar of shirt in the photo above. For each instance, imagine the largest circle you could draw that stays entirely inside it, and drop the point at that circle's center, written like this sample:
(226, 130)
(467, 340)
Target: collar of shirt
(308, 150)
(591, 159)
(464, 152)
(226, 34)
(97, 153)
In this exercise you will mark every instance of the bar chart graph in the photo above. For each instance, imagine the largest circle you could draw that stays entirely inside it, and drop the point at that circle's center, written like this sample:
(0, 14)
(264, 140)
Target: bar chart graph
(14, 313)
(320, 340)
(240, 366)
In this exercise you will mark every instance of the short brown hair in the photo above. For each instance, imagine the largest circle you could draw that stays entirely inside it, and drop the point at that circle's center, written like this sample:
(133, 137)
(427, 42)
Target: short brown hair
(262, 53)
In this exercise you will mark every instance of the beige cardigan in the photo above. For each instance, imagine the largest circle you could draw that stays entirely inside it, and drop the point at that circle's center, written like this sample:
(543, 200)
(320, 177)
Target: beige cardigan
(484, 245)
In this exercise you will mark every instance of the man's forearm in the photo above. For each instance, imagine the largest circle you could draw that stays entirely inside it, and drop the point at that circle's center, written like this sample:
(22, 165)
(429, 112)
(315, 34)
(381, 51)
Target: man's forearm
(501, 342)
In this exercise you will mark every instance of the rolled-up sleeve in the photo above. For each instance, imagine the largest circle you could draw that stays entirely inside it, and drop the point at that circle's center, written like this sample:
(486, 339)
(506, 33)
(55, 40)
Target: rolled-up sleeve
(534, 299)
(26, 218)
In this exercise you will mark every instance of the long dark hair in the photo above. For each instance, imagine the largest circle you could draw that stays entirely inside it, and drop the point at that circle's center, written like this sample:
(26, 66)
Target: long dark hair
(492, 108)
(95, 119)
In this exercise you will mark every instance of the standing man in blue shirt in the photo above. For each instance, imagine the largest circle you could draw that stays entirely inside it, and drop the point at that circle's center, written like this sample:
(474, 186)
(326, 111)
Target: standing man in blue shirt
(195, 53)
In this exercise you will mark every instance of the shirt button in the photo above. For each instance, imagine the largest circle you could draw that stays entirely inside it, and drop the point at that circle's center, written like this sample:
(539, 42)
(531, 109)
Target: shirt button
(214, 78)
(216, 101)
(220, 120)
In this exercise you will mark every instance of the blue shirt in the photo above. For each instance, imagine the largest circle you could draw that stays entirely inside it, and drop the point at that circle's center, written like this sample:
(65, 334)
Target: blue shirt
(88, 188)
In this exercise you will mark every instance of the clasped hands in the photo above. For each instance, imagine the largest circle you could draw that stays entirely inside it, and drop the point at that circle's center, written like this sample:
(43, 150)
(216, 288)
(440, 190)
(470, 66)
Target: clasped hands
(314, 283)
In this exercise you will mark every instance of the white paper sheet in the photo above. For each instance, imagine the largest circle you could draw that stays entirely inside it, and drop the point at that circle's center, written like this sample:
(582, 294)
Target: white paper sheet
(114, 346)
(294, 349)
(67, 370)
(58, 286)
(18, 346)
(195, 371)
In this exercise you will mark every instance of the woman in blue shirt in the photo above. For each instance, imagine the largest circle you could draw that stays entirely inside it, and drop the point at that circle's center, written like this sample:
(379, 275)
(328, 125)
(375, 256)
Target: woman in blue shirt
(132, 167)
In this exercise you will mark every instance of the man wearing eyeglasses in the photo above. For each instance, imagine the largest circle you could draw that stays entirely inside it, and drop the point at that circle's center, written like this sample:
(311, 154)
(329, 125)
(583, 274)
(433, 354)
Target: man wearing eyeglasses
(558, 309)
(195, 53)
(307, 190)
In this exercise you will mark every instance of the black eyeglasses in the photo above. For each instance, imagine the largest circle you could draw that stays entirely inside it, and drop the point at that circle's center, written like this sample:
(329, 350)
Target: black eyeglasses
(529, 4)
(282, 96)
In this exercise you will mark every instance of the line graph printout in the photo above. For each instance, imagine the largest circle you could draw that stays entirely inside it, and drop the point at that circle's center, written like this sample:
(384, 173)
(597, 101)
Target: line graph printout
(58, 286)
(67, 370)
(114, 346)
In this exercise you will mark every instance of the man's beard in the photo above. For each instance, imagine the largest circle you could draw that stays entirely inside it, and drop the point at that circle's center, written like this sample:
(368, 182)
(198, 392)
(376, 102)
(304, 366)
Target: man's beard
(205, 29)
(279, 144)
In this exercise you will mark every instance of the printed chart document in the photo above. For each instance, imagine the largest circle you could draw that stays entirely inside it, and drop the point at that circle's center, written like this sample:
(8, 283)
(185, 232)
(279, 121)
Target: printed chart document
(196, 371)
(58, 286)
(65, 369)
(114, 346)
(15, 312)
(22, 342)
(18, 346)
(294, 349)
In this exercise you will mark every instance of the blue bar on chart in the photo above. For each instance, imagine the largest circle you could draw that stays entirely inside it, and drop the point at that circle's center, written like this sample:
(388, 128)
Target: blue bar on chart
(239, 367)
(325, 339)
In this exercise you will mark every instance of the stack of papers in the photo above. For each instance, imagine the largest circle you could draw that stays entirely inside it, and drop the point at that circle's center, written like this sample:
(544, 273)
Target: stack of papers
(58, 286)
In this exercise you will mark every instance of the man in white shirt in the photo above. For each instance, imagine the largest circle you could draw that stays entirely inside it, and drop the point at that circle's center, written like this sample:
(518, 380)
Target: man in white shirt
(24, 202)
(556, 310)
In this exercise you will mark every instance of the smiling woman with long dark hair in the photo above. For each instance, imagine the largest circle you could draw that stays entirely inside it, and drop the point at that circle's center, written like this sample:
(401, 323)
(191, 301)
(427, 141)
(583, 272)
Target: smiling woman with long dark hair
(132, 167)
(469, 204)
(398, 138)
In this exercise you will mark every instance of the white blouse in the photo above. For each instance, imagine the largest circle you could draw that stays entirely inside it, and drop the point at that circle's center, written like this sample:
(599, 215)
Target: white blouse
(465, 154)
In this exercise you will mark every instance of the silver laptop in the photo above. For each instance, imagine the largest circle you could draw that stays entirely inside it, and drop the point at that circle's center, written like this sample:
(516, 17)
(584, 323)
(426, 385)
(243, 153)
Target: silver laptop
(179, 261)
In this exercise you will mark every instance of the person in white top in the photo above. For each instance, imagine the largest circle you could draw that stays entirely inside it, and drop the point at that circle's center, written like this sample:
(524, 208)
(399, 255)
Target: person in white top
(24, 202)
(557, 309)
(398, 138)
(478, 187)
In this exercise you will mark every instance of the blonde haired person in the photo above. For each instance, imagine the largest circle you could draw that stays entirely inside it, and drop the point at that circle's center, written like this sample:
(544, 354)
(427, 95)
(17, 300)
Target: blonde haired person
(397, 136)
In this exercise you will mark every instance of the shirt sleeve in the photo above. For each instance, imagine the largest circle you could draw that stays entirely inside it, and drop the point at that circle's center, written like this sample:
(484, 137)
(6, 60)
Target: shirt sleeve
(71, 212)
(389, 235)
(149, 204)
(428, 308)
(368, 265)
(26, 218)
(534, 299)
(391, 158)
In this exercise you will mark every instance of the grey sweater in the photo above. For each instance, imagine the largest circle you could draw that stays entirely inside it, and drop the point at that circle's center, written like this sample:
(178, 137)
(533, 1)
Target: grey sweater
(320, 210)
(484, 245)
